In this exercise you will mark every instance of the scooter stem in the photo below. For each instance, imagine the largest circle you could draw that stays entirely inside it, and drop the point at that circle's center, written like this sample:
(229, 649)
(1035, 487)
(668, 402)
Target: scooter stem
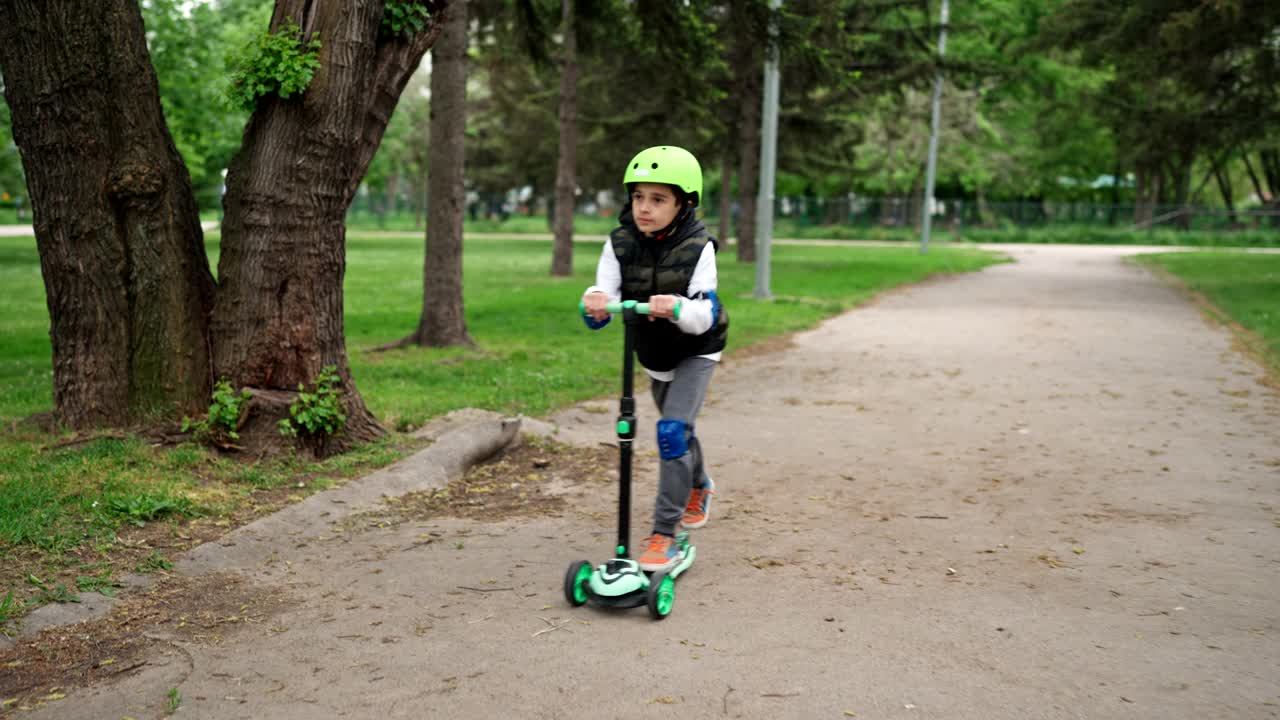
(626, 427)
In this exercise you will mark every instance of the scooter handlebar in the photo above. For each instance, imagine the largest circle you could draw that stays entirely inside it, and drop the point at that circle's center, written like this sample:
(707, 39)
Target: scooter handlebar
(617, 307)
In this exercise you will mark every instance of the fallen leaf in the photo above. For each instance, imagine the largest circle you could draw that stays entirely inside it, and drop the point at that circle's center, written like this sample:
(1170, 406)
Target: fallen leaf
(664, 700)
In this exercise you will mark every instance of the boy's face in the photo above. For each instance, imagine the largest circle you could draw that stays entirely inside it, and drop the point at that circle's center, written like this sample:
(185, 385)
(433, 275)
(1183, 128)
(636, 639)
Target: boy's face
(653, 206)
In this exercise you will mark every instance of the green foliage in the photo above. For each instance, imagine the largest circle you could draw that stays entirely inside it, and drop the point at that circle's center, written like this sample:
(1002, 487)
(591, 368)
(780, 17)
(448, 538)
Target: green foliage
(59, 593)
(280, 63)
(13, 182)
(10, 607)
(191, 46)
(404, 17)
(101, 583)
(1187, 78)
(223, 417)
(319, 412)
(153, 563)
(175, 701)
(138, 508)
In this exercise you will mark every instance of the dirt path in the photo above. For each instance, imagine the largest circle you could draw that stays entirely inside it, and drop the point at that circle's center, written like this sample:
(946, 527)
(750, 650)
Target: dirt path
(1047, 490)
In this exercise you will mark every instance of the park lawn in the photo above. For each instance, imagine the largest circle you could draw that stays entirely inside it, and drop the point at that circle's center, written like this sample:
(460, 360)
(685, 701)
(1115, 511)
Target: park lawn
(76, 512)
(799, 228)
(1243, 287)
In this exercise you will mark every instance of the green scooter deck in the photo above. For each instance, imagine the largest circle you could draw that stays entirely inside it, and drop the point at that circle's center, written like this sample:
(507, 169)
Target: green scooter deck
(620, 583)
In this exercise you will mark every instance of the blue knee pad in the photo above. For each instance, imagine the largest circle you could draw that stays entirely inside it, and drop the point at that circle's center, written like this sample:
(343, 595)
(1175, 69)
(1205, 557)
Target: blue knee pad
(673, 438)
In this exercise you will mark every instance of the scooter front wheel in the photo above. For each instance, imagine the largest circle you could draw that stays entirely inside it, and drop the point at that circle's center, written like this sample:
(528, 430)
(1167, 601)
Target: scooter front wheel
(575, 582)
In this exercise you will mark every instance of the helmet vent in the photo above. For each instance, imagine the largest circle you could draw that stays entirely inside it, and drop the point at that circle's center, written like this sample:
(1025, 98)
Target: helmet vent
(654, 166)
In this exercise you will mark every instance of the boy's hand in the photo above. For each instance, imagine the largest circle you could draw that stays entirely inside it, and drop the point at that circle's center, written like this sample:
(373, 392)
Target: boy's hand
(594, 304)
(662, 306)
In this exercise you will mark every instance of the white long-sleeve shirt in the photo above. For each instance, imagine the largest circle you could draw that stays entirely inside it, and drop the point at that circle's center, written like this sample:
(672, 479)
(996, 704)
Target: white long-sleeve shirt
(695, 315)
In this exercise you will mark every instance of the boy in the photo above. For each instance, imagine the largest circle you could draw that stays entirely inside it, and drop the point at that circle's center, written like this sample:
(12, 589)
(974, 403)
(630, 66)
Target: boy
(662, 254)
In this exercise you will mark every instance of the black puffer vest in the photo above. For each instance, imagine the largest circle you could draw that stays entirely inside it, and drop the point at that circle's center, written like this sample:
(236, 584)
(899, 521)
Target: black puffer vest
(665, 267)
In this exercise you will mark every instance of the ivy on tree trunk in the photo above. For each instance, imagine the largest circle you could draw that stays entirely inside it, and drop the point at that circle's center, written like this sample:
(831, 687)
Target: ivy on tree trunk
(279, 315)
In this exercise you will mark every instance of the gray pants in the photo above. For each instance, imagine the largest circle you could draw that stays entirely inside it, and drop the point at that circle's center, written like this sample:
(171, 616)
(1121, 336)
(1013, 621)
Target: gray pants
(680, 399)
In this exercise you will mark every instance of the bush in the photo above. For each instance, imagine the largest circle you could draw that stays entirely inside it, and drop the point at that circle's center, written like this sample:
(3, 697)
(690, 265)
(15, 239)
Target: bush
(223, 418)
(273, 64)
(318, 413)
(404, 18)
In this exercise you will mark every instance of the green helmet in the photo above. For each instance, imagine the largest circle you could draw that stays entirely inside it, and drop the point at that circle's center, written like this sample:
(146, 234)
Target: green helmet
(667, 164)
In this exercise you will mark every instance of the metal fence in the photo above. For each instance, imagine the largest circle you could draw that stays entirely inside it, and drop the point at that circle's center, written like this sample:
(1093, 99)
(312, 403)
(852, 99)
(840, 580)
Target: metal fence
(861, 211)
(894, 212)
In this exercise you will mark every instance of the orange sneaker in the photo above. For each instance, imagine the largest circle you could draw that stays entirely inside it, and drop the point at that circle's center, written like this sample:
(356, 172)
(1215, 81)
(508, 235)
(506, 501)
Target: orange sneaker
(661, 552)
(698, 511)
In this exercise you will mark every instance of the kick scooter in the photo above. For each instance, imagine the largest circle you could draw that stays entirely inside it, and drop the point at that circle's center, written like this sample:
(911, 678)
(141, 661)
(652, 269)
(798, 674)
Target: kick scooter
(620, 583)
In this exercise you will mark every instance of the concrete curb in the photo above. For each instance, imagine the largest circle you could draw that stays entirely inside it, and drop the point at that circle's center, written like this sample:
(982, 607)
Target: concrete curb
(278, 536)
(462, 439)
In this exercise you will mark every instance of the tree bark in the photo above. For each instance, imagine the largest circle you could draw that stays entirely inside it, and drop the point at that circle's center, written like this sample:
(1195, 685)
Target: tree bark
(726, 191)
(1143, 206)
(1253, 177)
(1228, 197)
(566, 168)
(443, 322)
(1271, 171)
(1270, 160)
(748, 69)
(126, 276)
(279, 314)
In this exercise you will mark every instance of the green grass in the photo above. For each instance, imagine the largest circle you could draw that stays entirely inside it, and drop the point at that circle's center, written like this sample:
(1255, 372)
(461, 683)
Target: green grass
(9, 215)
(1058, 233)
(532, 351)
(1245, 286)
(64, 502)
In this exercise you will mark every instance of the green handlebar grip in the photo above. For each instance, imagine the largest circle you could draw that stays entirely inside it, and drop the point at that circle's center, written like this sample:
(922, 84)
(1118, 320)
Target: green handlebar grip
(640, 308)
(617, 307)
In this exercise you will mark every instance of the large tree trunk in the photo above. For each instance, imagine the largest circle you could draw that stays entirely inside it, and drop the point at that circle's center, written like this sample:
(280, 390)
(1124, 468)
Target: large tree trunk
(279, 314)
(1143, 206)
(566, 168)
(748, 69)
(443, 322)
(126, 276)
(1253, 177)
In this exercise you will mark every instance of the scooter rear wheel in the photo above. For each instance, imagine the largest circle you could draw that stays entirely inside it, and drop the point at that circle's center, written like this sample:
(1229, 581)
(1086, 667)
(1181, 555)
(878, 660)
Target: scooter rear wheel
(662, 595)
